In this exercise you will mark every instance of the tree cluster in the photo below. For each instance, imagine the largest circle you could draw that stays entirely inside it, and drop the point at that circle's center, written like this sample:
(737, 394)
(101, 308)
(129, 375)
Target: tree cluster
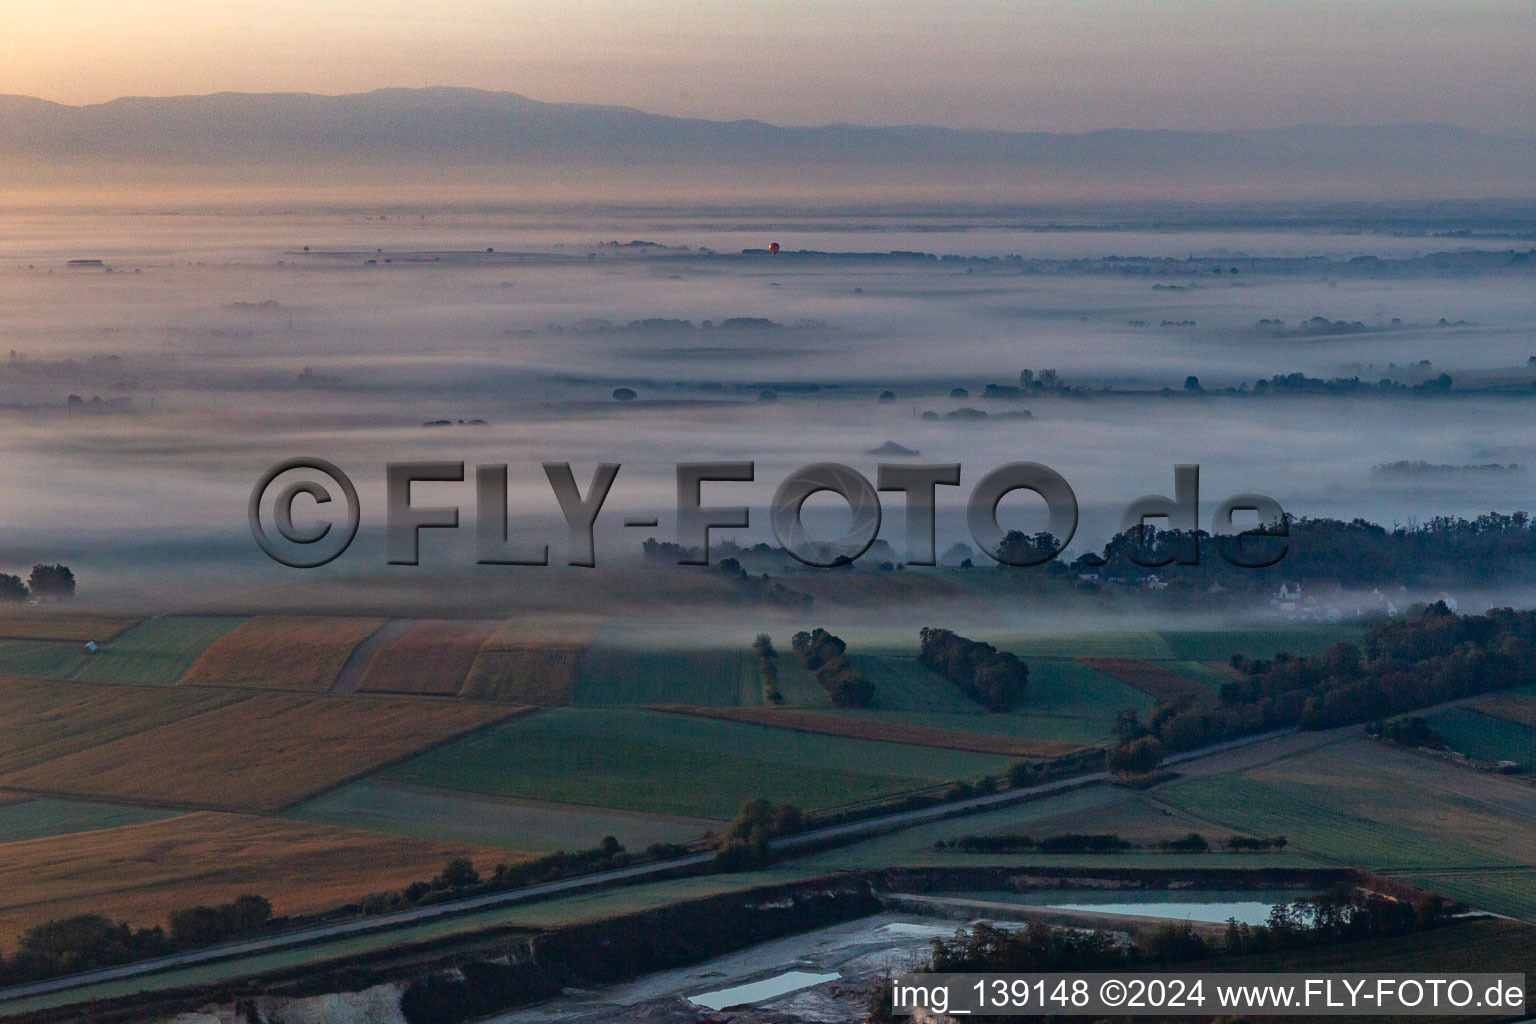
(992, 678)
(826, 656)
(460, 879)
(1445, 551)
(769, 660)
(745, 842)
(46, 583)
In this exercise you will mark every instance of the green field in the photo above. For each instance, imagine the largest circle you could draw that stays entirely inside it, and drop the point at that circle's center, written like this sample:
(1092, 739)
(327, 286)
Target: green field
(45, 817)
(1219, 645)
(1148, 645)
(1065, 700)
(157, 652)
(49, 659)
(435, 814)
(614, 676)
(798, 687)
(1484, 737)
(904, 684)
(673, 764)
(1363, 804)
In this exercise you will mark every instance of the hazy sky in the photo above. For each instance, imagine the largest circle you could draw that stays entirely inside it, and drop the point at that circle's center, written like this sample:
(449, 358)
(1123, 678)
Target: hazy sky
(1014, 64)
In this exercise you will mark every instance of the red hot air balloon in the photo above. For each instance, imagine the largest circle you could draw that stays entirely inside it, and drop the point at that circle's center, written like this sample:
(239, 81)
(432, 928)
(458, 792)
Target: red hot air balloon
(773, 247)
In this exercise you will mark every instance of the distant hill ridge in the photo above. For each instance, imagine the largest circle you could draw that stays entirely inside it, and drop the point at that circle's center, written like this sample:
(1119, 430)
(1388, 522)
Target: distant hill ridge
(472, 123)
(414, 129)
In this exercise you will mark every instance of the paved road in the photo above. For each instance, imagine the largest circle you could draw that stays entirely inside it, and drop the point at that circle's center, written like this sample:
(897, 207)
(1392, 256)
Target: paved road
(416, 915)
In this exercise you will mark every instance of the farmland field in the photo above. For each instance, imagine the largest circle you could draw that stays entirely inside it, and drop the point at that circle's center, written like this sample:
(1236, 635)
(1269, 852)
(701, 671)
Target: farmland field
(797, 686)
(488, 821)
(1211, 675)
(1511, 707)
(677, 764)
(829, 724)
(45, 720)
(1219, 645)
(531, 661)
(281, 653)
(1484, 737)
(1125, 644)
(32, 625)
(614, 676)
(433, 658)
(46, 659)
(157, 652)
(1365, 804)
(44, 817)
(141, 872)
(1156, 681)
(264, 753)
(905, 684)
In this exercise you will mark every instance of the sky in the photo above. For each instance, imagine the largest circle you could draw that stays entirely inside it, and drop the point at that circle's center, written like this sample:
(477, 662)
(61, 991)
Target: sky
(1072, 65)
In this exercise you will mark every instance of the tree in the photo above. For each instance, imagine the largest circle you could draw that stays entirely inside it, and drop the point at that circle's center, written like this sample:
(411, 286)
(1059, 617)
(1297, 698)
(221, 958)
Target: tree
(1192, 383)
(1138, 756)
(624, 394)
(459, 873)
(11, 588)
(51, 582)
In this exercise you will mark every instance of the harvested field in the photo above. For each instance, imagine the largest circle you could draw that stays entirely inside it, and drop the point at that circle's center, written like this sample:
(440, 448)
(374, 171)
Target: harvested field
(139, 873)
(432, 658)
(1517, 708)
(45, 720)
(889, 732)
(36, 625)
(264, 753)
(157, 652)
(281, 653)
(531, 661)
(1163, 684)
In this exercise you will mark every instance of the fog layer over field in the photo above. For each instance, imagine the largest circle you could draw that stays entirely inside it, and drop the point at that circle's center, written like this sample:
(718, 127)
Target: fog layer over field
(220, 342)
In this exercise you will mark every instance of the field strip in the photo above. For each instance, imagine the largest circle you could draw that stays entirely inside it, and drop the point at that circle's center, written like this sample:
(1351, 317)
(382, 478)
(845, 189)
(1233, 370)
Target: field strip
(1510, 707)
(552, 805)
(264, 753)
(73, 626)
(282, 652)
(885, 732)
(357, 662)
(131, 872)
(1258, 755)
(431, 659)
(1156, 681)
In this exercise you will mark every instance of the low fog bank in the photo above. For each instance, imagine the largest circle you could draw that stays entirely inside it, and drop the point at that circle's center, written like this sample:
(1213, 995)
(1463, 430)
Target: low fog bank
(144, 394)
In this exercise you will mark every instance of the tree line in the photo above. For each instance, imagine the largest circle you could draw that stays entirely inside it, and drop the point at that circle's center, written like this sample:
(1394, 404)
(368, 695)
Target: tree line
(86, 942)
(1418, 661)
(826, 657)
(46, 583)
(992, 678)
(1442, 551)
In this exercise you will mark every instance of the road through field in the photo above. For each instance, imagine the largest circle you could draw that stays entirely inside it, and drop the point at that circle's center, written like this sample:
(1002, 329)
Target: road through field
(597, 880)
